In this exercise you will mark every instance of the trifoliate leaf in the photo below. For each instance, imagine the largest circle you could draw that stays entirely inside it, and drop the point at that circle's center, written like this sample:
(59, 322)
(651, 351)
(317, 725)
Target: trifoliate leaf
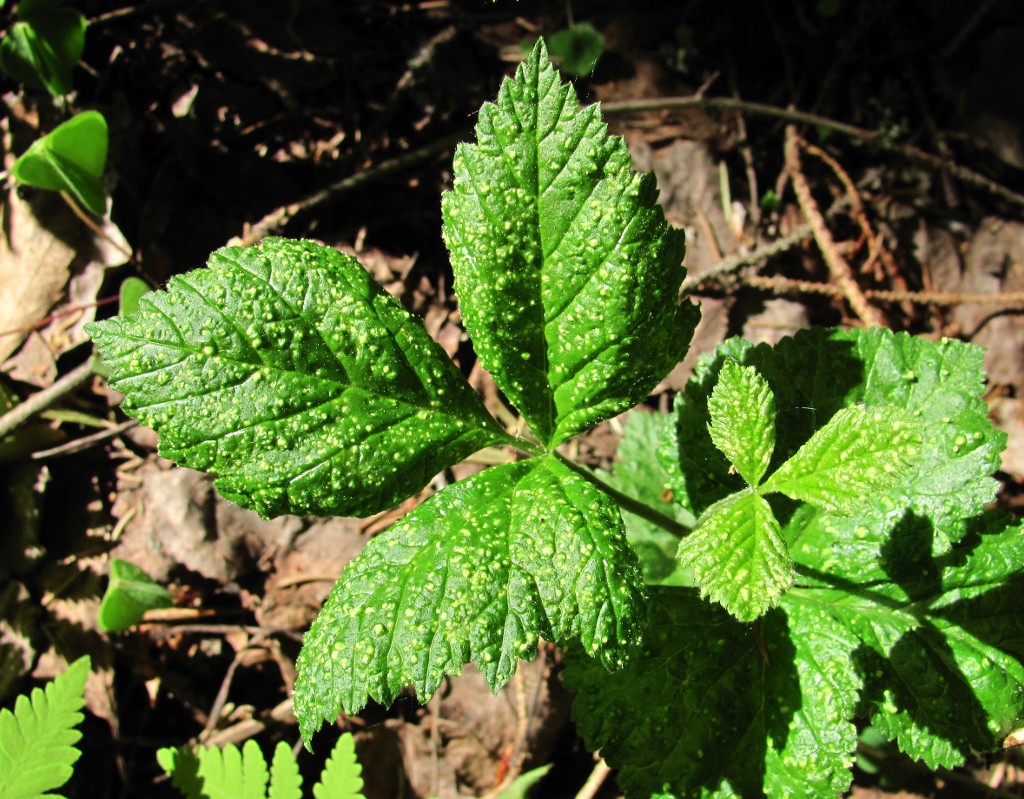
(546, 223)
(285, 780)
(856, 456)
(641, 476)
(737, 557)
(815, 374)
(69, 158)
(742, 410)
(476, 573)
(285, 370)
(941, 638)
(130, 593)
(37, 740)
(714, 708)
(342, 774)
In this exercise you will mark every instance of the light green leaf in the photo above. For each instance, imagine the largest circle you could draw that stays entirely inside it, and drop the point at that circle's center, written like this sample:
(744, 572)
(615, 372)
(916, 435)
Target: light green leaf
(285, 370)
(132, 290)
(817, 373)
(43, 47)
(130, 593)
(738, 557)
(342, 774)
(742, 409)
(523, 785)
(37, 740)
(859, 454)
(69, 158)
(547, 222)
(285, 780)
(476, 573)
(707, 712)
(182, 766)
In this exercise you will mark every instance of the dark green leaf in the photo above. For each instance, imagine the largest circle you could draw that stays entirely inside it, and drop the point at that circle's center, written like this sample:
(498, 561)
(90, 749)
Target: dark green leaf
(70, 158)
(476, 573)
(288, 372)
(640, 475)
(42, 48)
(566, 271)
(705, 712)
(577, 49)
(130, 593)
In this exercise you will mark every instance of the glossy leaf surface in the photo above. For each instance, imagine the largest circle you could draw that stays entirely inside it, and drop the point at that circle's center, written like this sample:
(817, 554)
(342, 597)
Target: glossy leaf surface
(285, 370)
(476, 573)
(566, 271)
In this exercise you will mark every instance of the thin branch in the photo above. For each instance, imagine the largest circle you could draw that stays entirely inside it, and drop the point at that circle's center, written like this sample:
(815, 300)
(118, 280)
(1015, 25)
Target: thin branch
(594, 782)
(44, 398)
(839, 269)
(276, 220)
(873, 138)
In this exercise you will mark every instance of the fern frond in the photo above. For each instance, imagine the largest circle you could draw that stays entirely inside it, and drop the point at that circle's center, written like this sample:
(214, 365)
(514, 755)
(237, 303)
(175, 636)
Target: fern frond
(37, 740)
(342, 774)
(285, 780)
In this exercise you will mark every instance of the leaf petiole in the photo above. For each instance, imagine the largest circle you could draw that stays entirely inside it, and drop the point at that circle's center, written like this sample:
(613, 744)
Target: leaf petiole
(631, 504)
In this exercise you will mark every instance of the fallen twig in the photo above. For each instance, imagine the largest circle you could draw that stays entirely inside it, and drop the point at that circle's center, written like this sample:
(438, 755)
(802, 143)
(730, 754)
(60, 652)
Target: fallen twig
(44, 398)
(838, 268)
(872, 138)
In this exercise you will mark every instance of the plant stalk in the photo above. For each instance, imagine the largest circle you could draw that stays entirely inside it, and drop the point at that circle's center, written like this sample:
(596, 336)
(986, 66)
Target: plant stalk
(630, 504)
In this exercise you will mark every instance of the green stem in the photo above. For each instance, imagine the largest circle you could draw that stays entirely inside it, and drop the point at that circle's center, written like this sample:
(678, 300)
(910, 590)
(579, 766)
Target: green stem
(628, 503)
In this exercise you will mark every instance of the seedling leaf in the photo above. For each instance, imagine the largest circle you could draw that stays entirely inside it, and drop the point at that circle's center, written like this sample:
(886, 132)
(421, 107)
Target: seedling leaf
(69, 158)
(477, 572)
(130, 593)
(860, 453)
(738, 557)
(547, 222)
(37, 740)
(288, 372)
(577, 49)
(342, 774)
(43, 46)
(742, 409)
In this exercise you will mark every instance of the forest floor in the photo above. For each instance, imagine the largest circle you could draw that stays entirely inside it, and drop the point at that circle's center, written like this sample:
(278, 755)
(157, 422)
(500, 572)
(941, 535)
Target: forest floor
(838, 163)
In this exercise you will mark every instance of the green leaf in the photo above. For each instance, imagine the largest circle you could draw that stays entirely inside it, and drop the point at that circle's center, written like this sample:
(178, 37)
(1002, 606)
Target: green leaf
(738, 557)
(941, 637)
(288, 372)
(742, 409)
(860, 453)
(285, 780)
(342, 774)
(476, 573)
(547, 222)
(523, 785)
(706, 712)
(130, 593)
(227, 773)
(70, 158)
(132, 290)
(37, 740)
(577, 49)
(818, 372)
(639, 475)
(42, 48)
(182, 766)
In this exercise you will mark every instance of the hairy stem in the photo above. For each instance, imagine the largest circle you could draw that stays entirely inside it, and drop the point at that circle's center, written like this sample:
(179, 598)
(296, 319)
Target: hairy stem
(628, 503)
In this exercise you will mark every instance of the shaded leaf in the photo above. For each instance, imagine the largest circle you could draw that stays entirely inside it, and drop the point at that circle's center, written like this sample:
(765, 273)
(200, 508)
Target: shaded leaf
(130, 593)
